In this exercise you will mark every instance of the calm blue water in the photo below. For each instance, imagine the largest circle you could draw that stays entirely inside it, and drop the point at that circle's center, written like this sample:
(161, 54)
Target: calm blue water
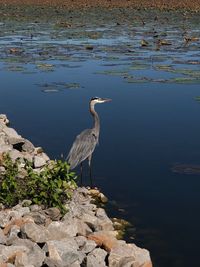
(147, 128)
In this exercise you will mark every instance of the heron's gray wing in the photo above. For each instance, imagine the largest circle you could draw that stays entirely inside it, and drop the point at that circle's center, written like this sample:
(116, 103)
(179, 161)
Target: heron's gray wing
(82, 147)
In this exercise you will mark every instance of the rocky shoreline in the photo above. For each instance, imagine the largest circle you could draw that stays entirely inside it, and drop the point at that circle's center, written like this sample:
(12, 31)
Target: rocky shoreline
(31, 235)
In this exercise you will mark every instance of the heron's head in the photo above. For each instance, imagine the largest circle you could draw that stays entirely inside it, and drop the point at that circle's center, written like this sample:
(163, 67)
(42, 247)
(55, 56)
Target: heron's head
(99, 100)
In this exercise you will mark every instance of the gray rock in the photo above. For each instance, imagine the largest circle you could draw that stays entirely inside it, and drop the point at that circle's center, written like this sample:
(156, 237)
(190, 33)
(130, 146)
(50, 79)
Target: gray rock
(35, 254)
(96, 258)
(53, 263)
(2, 237)
(35, 208)
(82, 228)
(37, 233)
(28, 146)
(59, 230)
(3, 138)
(16, 141)
(128, 255)
(4, 119)
(18, 211)
(90, 220)
(89, 246)
(39, 162)
(80, 240)
(4, 217)
(64, 252)
(53, 213)
(11, 133)
(26, 203)
(5, 148)
(104, 223)
(13, 235)
(9, 251)
(38, 217)
(15, 154)
(21, 260)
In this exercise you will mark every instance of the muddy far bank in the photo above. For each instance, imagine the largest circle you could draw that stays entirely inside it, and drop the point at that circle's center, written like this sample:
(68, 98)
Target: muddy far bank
(161, 4)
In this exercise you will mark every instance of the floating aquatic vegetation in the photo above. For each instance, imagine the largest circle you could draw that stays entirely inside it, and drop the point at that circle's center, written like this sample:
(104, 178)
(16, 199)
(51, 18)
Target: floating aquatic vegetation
(57, 86)
(186, 169)
(163, 67)
(113, 72)
(139, 67)
(197, 98)
(184, 80)
(144, 43)
(45, 67)
(17, 68)
(131, 79)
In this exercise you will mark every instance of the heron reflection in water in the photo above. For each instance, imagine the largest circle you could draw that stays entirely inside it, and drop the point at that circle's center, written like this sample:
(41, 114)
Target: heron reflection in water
(85, 143)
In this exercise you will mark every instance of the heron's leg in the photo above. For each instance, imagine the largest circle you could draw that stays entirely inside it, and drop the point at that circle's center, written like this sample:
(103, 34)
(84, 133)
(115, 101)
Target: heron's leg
(90, 168)
(81, 173)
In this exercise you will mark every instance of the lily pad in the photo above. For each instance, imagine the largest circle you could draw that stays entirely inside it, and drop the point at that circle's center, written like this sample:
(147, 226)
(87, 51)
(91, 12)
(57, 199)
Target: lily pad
(197, 98)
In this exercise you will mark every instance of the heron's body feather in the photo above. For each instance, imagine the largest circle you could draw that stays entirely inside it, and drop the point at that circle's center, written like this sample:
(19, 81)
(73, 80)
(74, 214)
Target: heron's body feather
(82, 147)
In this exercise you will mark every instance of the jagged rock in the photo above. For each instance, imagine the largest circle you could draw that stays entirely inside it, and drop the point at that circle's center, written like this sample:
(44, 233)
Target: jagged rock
(90, 220)
(64, 252)
(5, 148)
(96, 258)
(38, 217)
(53, 213)
(80, 240)
(26, 203)
(37, 233)
(35, 254)
(9, 252)
(18, 211)
(4, 218)
(105, 239)
(15, 141)
(3, 138)
(59, 230)
(4, 119)
(38, 150)
(21, 260)
(18, 222)
(2, 237)
(128, 255)
(28, 146)
(13, 234)
(104, 223)
(39, 162)
(89, 246)
(82, 228)
(11, 133)
(15, 154)
(35, 208)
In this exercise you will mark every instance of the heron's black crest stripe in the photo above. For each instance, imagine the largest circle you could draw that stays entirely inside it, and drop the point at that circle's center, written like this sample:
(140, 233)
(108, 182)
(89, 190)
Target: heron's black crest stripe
(94, 98)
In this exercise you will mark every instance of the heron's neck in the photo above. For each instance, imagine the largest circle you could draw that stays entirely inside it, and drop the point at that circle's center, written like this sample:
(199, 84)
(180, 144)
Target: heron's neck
(96, 120)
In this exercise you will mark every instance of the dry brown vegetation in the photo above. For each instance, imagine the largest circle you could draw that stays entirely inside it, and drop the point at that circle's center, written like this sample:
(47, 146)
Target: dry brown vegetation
(161, 4)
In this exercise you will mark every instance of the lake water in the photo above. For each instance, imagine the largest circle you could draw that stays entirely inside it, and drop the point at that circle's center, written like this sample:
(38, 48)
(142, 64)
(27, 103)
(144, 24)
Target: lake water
(48, 73)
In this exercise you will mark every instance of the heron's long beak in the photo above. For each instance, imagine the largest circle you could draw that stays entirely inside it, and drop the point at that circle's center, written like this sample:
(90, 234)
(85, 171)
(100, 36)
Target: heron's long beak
(106, 99)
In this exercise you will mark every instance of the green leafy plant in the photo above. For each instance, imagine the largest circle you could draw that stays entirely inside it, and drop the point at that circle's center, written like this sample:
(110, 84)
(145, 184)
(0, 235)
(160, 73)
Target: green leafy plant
(8, 182)
(50, 187)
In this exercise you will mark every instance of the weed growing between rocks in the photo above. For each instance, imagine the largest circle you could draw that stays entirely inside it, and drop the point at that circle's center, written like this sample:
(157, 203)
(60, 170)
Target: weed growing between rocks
(51, 187)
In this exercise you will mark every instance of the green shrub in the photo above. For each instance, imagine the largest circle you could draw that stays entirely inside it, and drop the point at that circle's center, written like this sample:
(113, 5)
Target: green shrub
(51, 187)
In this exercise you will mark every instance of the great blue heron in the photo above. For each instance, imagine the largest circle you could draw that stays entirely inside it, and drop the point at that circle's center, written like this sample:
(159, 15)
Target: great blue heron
(86, 141)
